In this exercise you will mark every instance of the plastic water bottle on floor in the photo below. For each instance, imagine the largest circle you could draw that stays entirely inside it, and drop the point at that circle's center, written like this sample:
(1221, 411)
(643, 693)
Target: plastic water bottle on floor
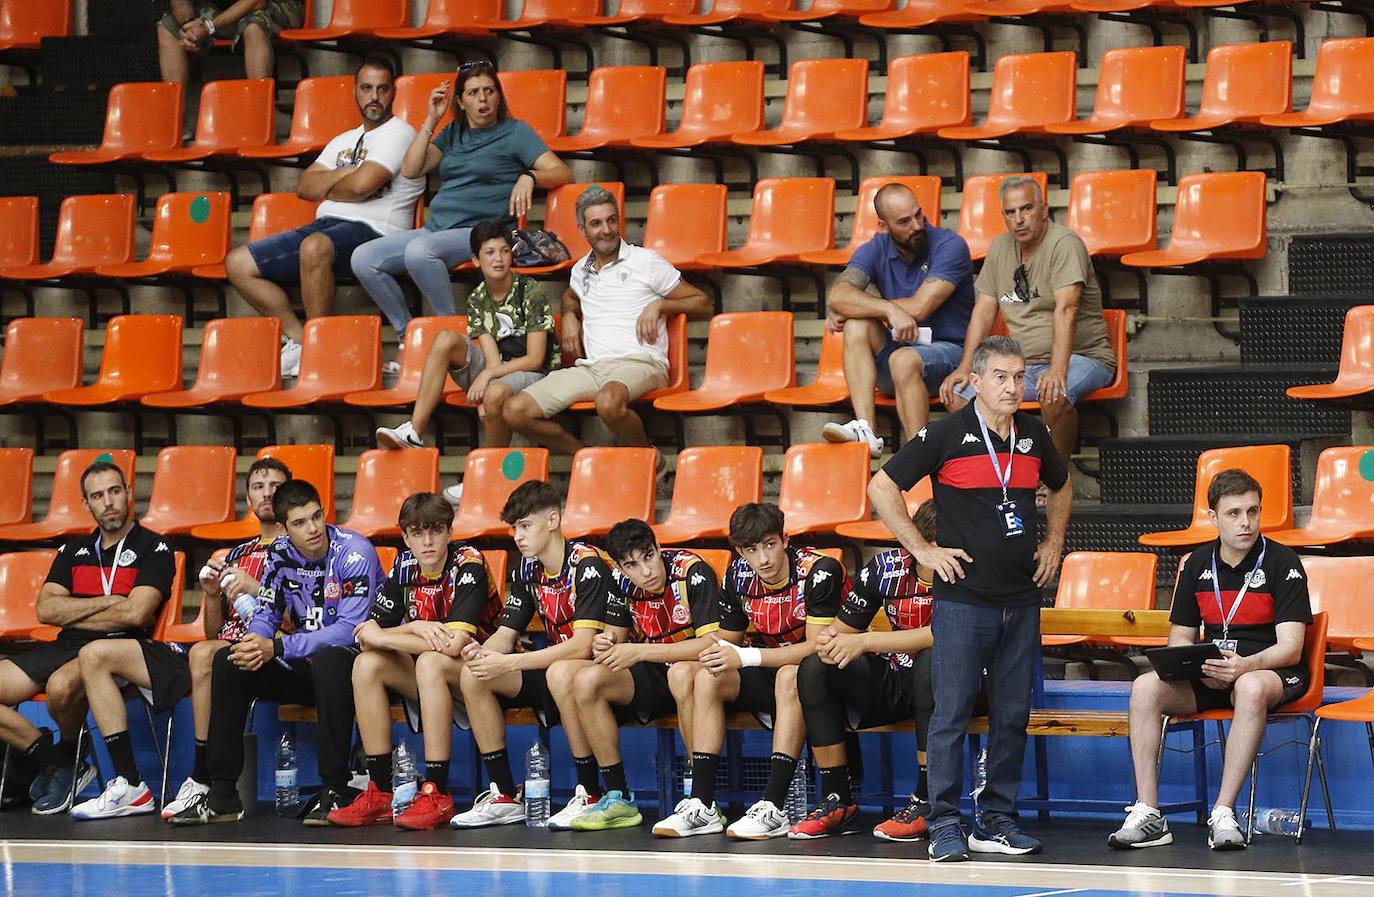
(980, 774)
(287, 776)
(1278, 821)
(796, 794)
(537, 786)
(404, 779)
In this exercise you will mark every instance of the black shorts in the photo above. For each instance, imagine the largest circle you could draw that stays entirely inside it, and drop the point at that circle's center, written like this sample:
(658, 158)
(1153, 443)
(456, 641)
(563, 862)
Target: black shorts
(653, 698)
(534, 693)
(1295, 682)
(169, 671)
(756, 694)
(892, 694)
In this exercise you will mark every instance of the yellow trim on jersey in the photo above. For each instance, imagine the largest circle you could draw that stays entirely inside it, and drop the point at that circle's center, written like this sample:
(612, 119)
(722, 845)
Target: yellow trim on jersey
(588, 624)
(707, 629)
(460, 625)
(819, 621)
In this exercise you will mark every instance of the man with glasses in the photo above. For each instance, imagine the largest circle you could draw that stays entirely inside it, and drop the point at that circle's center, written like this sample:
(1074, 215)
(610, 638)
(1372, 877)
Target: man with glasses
(1040, 276)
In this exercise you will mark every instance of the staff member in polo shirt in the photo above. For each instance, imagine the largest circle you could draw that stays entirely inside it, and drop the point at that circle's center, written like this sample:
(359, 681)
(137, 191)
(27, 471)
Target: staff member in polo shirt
(985, 462)
(615, 308)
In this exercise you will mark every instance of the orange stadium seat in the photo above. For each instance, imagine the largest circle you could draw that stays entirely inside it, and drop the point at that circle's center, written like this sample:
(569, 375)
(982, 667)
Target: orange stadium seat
(22, 574)
(18, 231)
(876, 530)
(544, 13)
(1269, 464)
(920, 14)
(189, 229)
(829, 387)
(1217, 216)
(411, 99)
(1339, 587)
(16, 485)
(678, 374)
(139, 118)
(448, 18)
(608, 485)
(560, 216)
(709, 482)
(1135, 86)
(383, 481)
(490, 475)
(631, 12)
(747, 354)
(91, 231)
(273, 213)
(865, 227)
(1242, 84)
(1103, 580)
(312, 463)
(238, 357)
(718, 558)
(790, 216)
(353, 19)
(1030, 91)
(24, 25)
(1342, 87)
(720, 99)
(823, 486)
(192, 631)
(980, 209)
(685, 222)
(142, 356)
(1114, 211)
(67, 514)
(823, 96)
(726, 12)
(322, 109)
(925, 93)
(538, 97)
(1342, 501)
(623, 102)
(420, 334)
(820, 10)
(339, 355)
(41, 354)
(1120, 385)
(234, 116)
(497, 566)
(192, 485)
(1355, 376)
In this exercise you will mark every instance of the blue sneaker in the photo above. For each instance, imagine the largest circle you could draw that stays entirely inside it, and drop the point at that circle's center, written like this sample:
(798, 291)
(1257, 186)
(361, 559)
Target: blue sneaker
(947, 844)
(58, 797)
(614, 810)
(999, 833)
(40, 784)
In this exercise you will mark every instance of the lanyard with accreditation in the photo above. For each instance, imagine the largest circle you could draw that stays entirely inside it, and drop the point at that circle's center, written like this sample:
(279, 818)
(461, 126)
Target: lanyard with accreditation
(1226, 643)
(1010, 521)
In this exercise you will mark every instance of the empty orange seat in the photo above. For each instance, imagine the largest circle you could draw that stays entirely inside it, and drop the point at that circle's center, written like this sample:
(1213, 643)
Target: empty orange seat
(623, 102)
(608, 485)
(709, 482)
(925, 93)
(560, 216)
(820, 10)
(273, 213)
(192, 485)
(980, 209)
(490, 475)
(139, 118)
(339, 355)
(719, 100)
(629, 12)
(354, 18)
(91, 231)
(189, 229)
(238, 357)
(16, 485)
(718, 558)
(420, 334)
(1342, 87)
(920, 14)
(18, 231)
(538, 97)
(23, 25)
(234, 115)
(67, 514)
(686, 221)
(876, 530)
(41, 354)
(546, 13)
(927, 190)
(322, 109)
(725, 12)
(829, 387)
(824, 486)
(192, 631)
(789, 216)
(1342, 502)
(1103, 580)
(142, 356)
(1339, 586)
(383, 481)
(1029, 92)
(1242, 84)
(1269, 464)
(1135, 86)
(411, 98)
(1217, 215)
(22, 574)
(823, 96)
(312, 463)
(448, 18)
(1355, 377)
(1114, 211)
(747, 354)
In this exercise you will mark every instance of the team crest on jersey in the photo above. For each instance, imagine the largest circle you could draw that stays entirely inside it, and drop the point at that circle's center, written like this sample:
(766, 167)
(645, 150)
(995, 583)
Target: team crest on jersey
(1024, 445)
(331, 591)
(799, 612)
(681, 616)
(128, 555)
(1256, 579)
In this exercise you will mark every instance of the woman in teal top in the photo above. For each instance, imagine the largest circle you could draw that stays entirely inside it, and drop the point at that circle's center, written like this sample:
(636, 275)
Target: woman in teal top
(489, 163)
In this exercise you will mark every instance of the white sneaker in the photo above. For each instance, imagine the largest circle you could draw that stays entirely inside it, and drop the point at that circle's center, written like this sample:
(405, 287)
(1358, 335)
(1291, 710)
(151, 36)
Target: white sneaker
(454, 494)
(401, 437)
(290, 358)
(691, 817)
(854, 431)
(762, 821)
(186, 795)
(118, 799)
(492, 808)
(1223, 831)
(562, 820)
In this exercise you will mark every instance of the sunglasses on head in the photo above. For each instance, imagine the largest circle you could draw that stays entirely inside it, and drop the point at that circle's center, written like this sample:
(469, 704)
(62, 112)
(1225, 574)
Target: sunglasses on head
(479, 64)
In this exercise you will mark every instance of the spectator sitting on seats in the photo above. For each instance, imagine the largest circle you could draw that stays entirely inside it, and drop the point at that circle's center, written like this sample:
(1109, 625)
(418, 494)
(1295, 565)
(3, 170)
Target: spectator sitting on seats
(222, 584)
(1040, 276)
(190, 26)
(489, 163)
(910, 339)
(615, 308)
(509, 345)
(363, 196)
(1249, 595)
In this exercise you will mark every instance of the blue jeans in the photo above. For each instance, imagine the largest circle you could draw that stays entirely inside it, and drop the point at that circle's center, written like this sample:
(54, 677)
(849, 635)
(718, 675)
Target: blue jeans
(969, 639)
(1085, 375)
(938, 361)
(426, 255)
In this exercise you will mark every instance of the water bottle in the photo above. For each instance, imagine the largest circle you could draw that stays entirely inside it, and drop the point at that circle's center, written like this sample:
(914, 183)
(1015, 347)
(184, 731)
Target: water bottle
(980, 774)
(404, 780)
(537, 786)
(288, 789)
(244, 606)
(1278, 821)
(796, 794)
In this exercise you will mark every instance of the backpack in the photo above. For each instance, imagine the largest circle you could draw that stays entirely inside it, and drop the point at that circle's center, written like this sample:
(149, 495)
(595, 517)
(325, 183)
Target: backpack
(534, 248)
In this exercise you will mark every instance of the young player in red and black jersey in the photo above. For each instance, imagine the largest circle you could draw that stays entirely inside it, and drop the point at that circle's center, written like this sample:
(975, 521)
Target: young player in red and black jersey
(105, 590)
(568, 584)
(438, 598)
(788, 595)
(223, 582)
(1249, 595)
(670, 604)
(859, 679)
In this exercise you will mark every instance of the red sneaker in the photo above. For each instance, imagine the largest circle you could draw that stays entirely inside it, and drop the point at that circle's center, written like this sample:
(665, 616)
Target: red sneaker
(908, 825)
(431, 809)
(829, 818)
(369, 808)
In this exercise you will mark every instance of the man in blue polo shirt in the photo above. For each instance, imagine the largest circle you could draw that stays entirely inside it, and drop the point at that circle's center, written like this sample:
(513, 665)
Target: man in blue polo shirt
(906, 342)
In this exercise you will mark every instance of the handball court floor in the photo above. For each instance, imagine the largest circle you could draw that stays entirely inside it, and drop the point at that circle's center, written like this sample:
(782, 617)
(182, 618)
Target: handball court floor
(265, 855)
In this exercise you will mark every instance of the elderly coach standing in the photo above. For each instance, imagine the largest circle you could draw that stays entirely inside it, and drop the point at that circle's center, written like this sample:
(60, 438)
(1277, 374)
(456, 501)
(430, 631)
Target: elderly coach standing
(985, 462)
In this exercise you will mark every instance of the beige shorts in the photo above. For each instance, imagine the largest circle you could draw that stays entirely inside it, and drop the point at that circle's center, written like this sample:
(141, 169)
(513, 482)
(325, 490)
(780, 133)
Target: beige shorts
(558, 390)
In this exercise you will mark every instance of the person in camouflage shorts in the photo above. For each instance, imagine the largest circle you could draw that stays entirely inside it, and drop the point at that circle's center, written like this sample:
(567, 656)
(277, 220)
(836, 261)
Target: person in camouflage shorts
(192, 27)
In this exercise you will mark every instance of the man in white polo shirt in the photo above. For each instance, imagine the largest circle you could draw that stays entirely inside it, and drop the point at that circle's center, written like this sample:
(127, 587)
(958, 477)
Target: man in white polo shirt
(615, 313)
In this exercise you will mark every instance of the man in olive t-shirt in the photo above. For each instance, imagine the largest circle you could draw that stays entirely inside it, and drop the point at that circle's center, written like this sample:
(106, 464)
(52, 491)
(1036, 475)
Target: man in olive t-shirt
(1040, 276)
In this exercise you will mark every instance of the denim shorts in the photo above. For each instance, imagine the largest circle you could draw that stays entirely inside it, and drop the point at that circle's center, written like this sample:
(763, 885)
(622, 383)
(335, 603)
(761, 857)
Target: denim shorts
(1085, 375)
(278, 257)
(938, 361)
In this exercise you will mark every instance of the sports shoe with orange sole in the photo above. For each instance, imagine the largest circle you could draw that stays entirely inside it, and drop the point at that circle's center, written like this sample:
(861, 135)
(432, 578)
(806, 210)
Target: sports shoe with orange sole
(908, 825)
(369, 808)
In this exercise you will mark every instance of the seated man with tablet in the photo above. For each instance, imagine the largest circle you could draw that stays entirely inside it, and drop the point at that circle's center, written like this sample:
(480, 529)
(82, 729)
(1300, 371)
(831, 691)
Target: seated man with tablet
(1249, 595)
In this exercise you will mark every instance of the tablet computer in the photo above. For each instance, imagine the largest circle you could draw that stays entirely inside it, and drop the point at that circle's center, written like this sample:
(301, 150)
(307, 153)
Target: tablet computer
(1182, 662)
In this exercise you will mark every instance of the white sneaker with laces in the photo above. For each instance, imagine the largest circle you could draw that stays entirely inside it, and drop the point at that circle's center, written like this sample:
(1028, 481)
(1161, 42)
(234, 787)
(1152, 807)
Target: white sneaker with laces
(691, 817)
(118, 799)
(400, 437)
(762, 821)
(1223, 831)
(562, 820)
(854, 431)
(290, 358)
(1144, 827)
(186, 795)
(492, 808)
(454, 494)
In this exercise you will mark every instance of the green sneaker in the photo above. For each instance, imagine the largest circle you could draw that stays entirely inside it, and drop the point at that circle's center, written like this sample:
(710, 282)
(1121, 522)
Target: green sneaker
(614, 810)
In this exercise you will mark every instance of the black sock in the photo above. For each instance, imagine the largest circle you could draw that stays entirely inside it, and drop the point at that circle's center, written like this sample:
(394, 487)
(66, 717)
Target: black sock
(43, 753)
(64, 752)
(379, 770)
(200, 771)
(922, 786)
(835, 780)
(704, 768)
(586, 775)
(122, 755)
(436, 772)
(614, 777)
(498, 767)
(780, 769)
